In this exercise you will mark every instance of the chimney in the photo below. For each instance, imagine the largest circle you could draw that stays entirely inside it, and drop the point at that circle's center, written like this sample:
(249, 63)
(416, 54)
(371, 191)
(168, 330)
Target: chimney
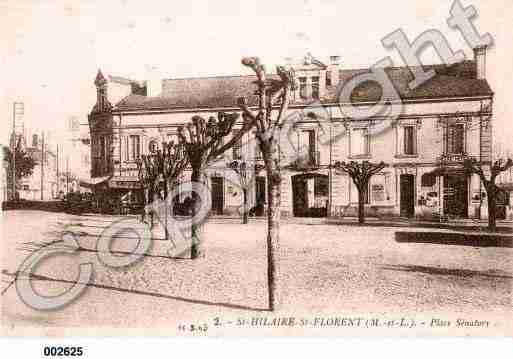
(153, 81)
(480, 60)
(35, 141)
(332, 74)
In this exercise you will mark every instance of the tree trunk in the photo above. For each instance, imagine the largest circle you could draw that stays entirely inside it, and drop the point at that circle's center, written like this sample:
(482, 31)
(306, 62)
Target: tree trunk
(145, 202)
(196, 177)
(361, 205)
(245, 206)
(166, 234)
(273, 220)
(492, 203)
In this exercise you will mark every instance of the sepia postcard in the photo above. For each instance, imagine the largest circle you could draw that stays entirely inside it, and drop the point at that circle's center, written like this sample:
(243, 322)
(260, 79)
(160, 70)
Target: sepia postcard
(315, 168)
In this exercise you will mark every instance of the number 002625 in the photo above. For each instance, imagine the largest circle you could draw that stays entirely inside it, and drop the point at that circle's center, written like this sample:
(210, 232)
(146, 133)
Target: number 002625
(63, 351)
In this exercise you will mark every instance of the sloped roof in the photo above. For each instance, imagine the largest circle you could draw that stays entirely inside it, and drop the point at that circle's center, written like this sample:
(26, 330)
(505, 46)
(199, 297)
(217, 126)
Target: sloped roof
(218, 92)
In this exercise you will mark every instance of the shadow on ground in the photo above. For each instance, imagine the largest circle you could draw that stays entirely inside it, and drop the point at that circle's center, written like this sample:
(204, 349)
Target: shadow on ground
(445, 271)
(457, 239)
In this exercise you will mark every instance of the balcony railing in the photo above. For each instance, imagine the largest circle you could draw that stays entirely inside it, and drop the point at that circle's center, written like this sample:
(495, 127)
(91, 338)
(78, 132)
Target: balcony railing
(306, 160)
(454, 157)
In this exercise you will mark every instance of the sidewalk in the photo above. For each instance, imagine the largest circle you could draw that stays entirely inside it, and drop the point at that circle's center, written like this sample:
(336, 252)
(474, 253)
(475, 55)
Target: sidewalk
(453, 224)
(505, 226)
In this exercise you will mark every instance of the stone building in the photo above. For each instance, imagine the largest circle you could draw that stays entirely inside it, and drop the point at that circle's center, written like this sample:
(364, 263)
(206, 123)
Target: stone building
(441, 122)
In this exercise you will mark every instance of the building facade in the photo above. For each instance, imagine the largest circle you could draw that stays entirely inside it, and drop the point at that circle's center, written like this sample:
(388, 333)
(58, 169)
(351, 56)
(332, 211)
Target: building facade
(441, 122)
(42, 184)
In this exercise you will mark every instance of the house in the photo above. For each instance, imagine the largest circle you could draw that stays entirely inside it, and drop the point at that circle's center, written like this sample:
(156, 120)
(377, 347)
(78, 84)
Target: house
(441, 122)
(44, 174)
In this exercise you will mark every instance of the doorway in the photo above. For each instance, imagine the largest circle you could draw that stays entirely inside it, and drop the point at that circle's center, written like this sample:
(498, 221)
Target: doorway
(310, 195)
(407, 187)
(260, 196)
(217, 191)
(456, 195)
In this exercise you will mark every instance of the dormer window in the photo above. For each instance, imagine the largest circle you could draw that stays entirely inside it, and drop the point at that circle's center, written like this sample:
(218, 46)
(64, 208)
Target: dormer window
(315, 87)
(302, 88)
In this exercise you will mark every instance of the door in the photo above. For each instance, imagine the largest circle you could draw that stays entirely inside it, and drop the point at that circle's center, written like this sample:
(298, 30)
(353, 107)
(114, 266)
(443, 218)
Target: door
(217, 184)
(299, 195)
(260, 198)
(456, 196)
(407, 187)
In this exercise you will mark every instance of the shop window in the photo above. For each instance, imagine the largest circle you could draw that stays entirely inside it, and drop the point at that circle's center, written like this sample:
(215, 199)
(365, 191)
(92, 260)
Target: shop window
(428, 180)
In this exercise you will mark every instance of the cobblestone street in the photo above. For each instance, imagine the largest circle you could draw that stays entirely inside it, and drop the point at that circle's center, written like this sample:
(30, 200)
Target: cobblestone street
(348, 269)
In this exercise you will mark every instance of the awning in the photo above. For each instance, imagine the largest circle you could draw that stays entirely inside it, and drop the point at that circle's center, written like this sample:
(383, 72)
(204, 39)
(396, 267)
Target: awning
(124, 182)
(453, 171)
(98, 180)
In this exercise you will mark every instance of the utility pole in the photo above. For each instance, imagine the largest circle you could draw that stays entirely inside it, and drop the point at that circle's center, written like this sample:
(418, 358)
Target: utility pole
(42, 163)
(18, 110)
(13, 151)
(67, 174)
(57, 170)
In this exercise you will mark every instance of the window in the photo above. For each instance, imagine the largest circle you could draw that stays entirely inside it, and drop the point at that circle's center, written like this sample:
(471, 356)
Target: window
(315, 87)
(102, 148)
(153, 146)
(321, 186)
(328, 78)
(135, 147)
(359, 142)
(258, 152)
(409, 140)
(237, 154)
(102, 94)
(428, 180)
(307, 146)
(302, 88)
(455, 139)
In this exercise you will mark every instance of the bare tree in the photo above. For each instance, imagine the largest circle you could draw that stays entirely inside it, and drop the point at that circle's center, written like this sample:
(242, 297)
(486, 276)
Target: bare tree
(203, 142)
(244, 172)
(160, 171)
(472, 165)
(172, 162)
(148, 173)
(361, 174)
(273, 94)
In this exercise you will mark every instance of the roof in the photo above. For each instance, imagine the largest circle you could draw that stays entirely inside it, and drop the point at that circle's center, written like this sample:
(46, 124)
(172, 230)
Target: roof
(458, 80)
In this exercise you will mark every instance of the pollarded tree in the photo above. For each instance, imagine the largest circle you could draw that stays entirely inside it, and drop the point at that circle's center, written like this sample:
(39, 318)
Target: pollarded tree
(273, 102)
(361, 174)
(245, 172)
(204, 143)
(172, 162)
(149, 177)
(472, 165)
(161, 170)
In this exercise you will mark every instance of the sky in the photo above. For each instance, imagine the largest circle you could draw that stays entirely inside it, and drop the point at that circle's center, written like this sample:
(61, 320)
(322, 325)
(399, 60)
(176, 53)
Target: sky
(51, 49)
